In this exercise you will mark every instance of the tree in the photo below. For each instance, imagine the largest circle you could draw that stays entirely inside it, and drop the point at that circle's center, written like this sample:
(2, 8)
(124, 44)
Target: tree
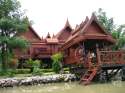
(117, 31)
(56, 65)
(12, 22)
(107, 23)
(119, 35)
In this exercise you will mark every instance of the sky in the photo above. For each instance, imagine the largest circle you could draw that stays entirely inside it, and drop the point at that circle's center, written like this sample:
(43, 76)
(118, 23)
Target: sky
(51, 15)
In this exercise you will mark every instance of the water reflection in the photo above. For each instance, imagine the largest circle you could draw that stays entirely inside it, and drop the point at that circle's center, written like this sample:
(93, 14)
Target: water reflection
(113, 87)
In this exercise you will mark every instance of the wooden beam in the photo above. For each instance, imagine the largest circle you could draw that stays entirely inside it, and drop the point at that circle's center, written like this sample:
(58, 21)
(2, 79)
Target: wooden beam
(98, 55)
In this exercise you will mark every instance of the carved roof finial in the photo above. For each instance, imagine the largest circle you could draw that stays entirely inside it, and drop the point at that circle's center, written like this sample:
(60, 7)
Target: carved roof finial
(67, 24)
(48, 35)
(53, 35)
(94, 16)
(87, 18)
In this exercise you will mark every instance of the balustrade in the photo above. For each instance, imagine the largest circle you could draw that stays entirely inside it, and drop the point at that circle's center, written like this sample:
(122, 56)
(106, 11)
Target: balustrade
(111, 57)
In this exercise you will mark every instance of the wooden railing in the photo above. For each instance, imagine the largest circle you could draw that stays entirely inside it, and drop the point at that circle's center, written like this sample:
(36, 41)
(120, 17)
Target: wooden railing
(111, 57)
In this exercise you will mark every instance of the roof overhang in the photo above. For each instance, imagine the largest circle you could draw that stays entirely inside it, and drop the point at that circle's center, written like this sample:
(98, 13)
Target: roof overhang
(83, 38)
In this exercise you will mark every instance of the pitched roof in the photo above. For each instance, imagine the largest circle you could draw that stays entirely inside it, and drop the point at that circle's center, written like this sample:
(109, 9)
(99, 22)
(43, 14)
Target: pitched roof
(93, 18)
(79, 33)
(79, 27)
(31, 29)
(67, 24)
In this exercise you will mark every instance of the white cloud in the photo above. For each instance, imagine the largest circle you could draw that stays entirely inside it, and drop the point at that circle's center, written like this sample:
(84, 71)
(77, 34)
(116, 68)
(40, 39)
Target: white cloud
(50, 15)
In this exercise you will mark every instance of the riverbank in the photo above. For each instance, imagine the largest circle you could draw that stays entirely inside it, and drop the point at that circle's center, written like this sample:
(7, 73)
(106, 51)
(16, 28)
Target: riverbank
(35, 80)
(69, 87)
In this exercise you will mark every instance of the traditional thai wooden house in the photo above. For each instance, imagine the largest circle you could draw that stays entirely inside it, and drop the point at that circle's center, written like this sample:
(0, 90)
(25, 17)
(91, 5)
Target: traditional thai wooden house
(90, 46)
(42, 48)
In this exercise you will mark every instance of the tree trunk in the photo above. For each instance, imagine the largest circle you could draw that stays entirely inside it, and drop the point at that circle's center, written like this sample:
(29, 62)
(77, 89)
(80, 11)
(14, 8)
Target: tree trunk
(4, 52)
(4, 60)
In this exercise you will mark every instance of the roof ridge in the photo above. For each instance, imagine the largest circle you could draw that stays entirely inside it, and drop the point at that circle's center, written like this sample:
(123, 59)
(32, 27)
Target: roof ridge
(93, 18)
(67, 24)
(82, 24)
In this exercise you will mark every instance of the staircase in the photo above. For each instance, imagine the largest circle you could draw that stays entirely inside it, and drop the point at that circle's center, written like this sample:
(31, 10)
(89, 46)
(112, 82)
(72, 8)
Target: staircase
(88, 76)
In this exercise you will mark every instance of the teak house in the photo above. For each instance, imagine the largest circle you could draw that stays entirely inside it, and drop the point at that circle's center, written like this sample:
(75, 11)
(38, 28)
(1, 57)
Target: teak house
(87, 50)
(42, 48)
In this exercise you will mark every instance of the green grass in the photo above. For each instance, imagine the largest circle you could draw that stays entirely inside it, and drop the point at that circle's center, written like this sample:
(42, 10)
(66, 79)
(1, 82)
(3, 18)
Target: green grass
(20, 73)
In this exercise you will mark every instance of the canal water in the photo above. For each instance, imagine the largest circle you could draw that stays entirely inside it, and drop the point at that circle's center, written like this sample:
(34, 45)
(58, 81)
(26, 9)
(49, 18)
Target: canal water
(71, 87)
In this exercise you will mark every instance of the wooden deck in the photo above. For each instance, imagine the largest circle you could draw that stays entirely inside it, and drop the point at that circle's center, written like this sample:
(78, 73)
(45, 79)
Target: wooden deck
(112, 59)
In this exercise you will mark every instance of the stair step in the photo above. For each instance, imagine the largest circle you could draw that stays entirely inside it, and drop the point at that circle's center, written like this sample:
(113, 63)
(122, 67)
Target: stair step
(88, 76)
(86, 83)
(89, 70)
(84, 79)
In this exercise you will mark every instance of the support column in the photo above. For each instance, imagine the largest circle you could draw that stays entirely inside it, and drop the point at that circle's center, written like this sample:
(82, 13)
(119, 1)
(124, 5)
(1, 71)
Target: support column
(107, 75)
(98, 55)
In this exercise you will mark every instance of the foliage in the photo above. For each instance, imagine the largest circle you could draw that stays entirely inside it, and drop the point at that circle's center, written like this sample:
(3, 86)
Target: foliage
(46, 70)
(12, 22)
(119, 35)
(106, 22)
(66, 69)
(37, 71)
(51, 70)
(56, 65)
(25, 72)
(13, 63)
(117, 31)
(8, 73)
(22, 71)
(57, 57)
(33, 64)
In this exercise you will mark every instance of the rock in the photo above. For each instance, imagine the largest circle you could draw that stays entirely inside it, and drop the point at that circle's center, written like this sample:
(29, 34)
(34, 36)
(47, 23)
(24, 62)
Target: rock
(11, 82)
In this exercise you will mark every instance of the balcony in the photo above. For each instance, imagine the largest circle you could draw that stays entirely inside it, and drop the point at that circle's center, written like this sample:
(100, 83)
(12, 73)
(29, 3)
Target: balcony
(112, 57)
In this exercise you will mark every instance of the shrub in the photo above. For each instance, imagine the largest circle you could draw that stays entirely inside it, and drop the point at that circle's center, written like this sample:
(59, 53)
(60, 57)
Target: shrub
(33, 64)
(8, 73)
(66, 69)
(56, 65)
(13, 63)
(22, 71)
(37, 71)
(46, 70)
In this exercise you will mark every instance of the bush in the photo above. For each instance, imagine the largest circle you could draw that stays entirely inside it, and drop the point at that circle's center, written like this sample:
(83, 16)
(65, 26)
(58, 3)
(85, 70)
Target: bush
(11, 73)
(56, 65)
(66, 69)
(33, 64)
(8, 73)
(37, 71)
(46, 70)
(22, 71)
(13, 63)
